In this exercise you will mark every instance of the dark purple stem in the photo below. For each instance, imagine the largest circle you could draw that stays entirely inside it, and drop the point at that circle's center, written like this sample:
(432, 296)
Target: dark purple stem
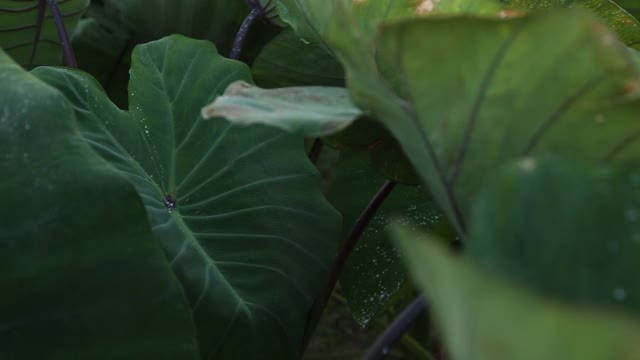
(42, 9)
(241, 36)
(63, 35)
(119, 61)
(315, 151)
(341, 259)
(402, 323)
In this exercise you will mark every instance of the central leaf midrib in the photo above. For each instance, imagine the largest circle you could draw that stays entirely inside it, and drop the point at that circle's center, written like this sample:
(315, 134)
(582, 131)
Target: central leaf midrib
(190, 237)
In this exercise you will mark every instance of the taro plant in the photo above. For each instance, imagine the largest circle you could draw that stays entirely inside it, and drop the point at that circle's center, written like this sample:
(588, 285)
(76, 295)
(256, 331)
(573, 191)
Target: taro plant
(160, 202)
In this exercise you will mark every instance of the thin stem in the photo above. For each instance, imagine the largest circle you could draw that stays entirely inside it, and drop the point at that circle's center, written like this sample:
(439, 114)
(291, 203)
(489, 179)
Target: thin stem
(385, 342)
(63, 35)
(119, 61)
(241, 36)
(341, 259)
(413, 346)
(315, 151)
(42, 8)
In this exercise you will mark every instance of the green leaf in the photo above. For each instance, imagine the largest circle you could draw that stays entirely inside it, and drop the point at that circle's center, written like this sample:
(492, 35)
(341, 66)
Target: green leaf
(19, 35)
(626, 26)
(313, 112)
(288, 61)
(82, 274)
(571, 231)
(310, 111)
(103, 48)
(377, 146)
(238, 210)
(375, 272)
(457, 133)
(313, 20)
(214, 20)
(631, 6)
(484, 317)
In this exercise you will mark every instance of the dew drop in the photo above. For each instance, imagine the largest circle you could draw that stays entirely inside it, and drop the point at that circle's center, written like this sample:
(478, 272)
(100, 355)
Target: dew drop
(619, 294)
(528, 165)
(631, 214)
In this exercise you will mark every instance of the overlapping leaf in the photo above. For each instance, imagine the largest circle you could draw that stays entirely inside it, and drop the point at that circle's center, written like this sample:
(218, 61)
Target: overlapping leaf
(23, 39)
(82, 276)
(383, 86)
(487, 318)
(503, 102)
(238, 210)
(309, 111)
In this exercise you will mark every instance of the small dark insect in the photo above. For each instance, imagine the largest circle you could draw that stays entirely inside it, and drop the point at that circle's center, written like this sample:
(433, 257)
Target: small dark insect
(170, 202)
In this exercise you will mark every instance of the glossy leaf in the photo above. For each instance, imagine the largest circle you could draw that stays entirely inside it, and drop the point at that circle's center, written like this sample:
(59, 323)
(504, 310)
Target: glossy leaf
(375, 272)
(82, 275)
(487, 318)
(19, 35)
(214, 193)
(309, 111)
(571, 231)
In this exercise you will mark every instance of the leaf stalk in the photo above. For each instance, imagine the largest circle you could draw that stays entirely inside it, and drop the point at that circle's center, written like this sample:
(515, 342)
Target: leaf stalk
(341, 259)
(63, 35)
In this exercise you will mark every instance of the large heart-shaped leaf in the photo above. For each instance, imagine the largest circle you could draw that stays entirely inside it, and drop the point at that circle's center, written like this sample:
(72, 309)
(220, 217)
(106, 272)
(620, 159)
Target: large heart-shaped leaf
(29, 41)
(457, 132)
(381, 83)
(239, 210)
(486, 318)
(81, 274)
